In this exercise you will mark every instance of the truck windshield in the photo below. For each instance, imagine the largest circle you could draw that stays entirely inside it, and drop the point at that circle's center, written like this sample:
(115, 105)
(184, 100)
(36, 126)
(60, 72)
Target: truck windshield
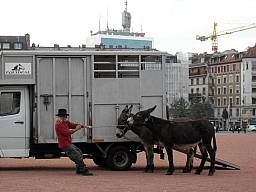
(9, 103)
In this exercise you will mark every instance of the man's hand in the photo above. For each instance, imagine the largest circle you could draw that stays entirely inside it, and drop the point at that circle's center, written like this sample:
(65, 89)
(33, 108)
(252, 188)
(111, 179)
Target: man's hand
(78, 127)
(87, 126)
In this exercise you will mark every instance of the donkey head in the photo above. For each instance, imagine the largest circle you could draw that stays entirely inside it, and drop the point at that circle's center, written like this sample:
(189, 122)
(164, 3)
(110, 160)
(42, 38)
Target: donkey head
(123, 126)
(141, 117)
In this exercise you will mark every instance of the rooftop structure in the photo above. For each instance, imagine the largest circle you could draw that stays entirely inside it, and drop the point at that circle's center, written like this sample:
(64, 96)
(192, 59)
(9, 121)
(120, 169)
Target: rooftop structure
(15, 42)
(121, 38)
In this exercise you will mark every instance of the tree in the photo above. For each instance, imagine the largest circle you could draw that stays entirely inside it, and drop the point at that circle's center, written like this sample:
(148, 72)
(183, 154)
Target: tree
(201, 110)
(179, 108)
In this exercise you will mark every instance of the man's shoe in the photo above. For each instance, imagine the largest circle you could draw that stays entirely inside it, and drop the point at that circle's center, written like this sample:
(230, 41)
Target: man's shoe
(86, 173)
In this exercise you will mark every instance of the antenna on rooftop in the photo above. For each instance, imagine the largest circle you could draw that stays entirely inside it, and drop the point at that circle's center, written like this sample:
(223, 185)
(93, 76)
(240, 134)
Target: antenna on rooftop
(107, 19)
(126, 19)
(99, 24)
(126, 5)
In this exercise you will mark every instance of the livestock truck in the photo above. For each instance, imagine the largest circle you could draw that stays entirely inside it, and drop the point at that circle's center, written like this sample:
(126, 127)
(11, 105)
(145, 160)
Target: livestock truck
(94, 85)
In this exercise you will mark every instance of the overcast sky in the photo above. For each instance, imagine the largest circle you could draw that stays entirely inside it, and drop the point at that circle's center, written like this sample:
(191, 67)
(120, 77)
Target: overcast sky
(173, 24)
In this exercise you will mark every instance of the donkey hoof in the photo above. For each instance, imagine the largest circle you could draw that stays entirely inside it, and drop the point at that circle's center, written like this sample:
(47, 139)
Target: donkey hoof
(211, 173)
(198, 172)
(169, 173)
(186, 171)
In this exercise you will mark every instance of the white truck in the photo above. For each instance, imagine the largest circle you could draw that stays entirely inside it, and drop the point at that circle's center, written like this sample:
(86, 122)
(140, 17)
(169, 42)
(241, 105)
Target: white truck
(93, 85)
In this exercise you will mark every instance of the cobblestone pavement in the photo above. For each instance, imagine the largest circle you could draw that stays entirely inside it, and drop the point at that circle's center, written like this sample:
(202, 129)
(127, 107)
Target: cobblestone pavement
(58, 175)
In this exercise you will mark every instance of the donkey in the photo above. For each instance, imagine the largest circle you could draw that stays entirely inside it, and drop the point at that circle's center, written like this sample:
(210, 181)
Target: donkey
(192, 132)
(148, 139)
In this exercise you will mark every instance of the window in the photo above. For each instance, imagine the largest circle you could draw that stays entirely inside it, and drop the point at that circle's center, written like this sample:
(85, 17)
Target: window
(192, 90)
(151, 62)
(197, 81)
(224, 90)
(219, 91)
(218, 102)
(224, 101)
(237, 101)
(204, 80)
(9, 103)
(237, 78)
(197, 90)
(237, 112)
(224, 80)
(230, 112)
(231, 91)
(230, 101)
(18, 45)
(204, 91)
(192, 81)
(105, 66)
(218, 81)
(230, 78)
(128, 66)
(218, 112)
(6, 45)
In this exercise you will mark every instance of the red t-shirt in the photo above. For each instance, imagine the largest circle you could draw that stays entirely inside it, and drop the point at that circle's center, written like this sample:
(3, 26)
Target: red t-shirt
(63, 133)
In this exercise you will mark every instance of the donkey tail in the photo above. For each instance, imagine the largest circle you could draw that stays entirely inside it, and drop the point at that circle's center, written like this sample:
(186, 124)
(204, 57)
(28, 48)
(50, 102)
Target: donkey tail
(214, 143)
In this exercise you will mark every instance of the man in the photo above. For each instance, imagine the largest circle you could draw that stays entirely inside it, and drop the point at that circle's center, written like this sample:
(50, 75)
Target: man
(64, 129)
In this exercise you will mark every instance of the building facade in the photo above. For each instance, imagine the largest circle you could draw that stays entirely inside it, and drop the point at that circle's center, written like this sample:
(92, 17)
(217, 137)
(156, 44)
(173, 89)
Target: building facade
(248, 85)
(225, 68)
(15, 42)
(199, 80)
(177, 77)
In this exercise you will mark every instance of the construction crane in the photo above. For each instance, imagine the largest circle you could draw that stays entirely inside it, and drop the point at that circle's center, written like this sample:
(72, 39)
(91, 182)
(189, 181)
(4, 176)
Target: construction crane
(214, 36)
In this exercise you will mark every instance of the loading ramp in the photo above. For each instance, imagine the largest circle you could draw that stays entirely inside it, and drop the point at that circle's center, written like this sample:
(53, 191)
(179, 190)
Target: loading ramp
(223, 163)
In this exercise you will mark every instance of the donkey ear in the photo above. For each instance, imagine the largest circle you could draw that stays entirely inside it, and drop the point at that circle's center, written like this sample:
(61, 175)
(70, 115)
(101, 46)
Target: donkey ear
(152, 109)
(126, 107)
(130, 109)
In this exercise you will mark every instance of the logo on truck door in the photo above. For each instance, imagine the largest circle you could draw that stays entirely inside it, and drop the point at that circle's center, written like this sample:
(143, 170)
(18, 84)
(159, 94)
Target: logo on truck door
(17, 68)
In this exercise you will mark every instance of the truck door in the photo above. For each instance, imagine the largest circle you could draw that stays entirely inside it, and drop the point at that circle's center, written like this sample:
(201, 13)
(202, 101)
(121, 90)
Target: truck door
(13, 132)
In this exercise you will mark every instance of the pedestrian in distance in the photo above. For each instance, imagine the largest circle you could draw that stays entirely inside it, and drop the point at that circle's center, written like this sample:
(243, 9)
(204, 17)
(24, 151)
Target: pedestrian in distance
(64, 129)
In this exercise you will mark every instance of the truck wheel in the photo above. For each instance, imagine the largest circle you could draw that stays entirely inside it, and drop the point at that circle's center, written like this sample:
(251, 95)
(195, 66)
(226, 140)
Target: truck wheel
(100, 161)
(119, 158)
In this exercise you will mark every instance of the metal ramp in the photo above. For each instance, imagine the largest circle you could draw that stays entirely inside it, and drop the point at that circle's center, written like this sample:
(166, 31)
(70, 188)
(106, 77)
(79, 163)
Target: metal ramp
(223, 163)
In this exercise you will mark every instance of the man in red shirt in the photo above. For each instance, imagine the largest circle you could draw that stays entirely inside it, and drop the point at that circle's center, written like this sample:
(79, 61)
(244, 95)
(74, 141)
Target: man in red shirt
(64, 129)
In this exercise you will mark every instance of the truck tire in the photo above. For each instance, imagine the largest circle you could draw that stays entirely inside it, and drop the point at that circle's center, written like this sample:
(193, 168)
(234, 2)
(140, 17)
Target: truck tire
(119, 158)
(100, 161)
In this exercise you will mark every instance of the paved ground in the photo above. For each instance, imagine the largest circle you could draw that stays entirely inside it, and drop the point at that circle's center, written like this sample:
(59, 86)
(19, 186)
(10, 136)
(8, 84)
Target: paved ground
(58, 175)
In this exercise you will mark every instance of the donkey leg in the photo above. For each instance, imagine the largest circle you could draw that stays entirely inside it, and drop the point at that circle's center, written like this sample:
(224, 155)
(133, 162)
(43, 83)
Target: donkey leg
(190, 157)
(150, 158)
(204, 157)
(170, 159)
(212, 156)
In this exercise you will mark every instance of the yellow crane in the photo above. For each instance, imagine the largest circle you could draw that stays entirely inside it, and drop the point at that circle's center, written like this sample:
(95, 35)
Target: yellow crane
(214, 36)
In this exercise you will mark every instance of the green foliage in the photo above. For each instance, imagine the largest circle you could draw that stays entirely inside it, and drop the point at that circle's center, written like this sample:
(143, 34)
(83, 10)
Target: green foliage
(179, 108)
(195, 110)
(201, 110)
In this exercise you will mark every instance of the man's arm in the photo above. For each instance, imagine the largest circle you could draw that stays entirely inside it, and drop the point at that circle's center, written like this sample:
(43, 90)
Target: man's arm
(78, 127)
